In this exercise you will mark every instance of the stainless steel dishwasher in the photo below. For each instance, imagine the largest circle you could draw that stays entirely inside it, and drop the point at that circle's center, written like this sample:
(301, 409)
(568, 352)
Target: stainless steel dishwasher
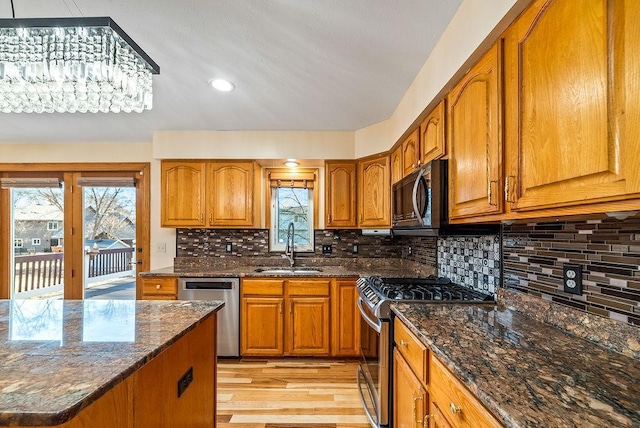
(227, 290)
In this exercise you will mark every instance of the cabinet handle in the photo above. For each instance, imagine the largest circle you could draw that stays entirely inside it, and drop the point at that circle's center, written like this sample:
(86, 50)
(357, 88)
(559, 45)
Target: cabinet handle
(329, 218)
(415, 407)
(280, 308)
(211, 219)
(425, 421)
(360, 217)
(404, 343)
(455, 409)
(157, 286)
(201, 218)
(489, 192)
(507, 187)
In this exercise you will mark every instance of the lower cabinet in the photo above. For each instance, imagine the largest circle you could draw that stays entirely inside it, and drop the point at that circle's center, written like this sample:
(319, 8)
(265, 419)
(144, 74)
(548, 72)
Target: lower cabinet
(159, 288)
(447, 404)
(299, 317)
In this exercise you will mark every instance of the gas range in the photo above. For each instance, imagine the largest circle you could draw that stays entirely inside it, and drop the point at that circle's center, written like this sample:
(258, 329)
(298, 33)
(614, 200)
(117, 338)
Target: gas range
(378, 292)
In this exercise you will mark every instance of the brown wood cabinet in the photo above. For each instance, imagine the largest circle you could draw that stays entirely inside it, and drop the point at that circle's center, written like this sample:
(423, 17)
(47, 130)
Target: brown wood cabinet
(432, 135)
(397, 170)
(230, 189)
(182, 198)
(448, 403)
(340, 195)
(475, 136)
(374, 192)
(411, 152)
(159, 287)
(410, 398)
(285, 317)
(571, 122)
(345, 318)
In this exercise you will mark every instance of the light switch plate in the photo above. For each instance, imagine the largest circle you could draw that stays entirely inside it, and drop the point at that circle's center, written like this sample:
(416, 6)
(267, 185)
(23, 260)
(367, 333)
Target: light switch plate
(572, 278)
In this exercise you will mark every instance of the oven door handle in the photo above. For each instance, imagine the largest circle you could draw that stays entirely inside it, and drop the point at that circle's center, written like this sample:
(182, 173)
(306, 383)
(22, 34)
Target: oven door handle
(377, 326)
(360, 374)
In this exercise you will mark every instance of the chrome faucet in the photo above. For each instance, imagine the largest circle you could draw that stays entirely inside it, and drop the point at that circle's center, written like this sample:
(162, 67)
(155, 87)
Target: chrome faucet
(288, 250)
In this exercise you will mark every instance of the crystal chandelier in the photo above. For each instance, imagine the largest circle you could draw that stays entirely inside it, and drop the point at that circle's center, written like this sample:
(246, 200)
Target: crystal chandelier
(72, 65)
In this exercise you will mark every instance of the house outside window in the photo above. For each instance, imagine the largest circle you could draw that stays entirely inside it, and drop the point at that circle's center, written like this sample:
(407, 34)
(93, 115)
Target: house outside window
(18, 243)
(35, 241)
(53, 225)
(292, 201)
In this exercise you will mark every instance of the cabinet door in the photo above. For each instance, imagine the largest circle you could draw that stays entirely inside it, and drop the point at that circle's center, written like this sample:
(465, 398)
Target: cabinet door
(374, 193)
(474, 130)
(411, 152)
(432, 130)
(567, 71)
(230, 190)
(345, 319)
(182, 195)
(307, 325)
(397, 170)
(261, 326)
(409, 396)
(340, 195)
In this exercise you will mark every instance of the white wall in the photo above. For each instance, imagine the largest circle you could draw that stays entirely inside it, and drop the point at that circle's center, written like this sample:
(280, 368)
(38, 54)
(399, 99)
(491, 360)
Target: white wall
(104, 152)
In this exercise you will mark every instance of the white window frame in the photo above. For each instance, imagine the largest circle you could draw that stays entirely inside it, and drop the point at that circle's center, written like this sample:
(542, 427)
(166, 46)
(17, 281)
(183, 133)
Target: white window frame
(36, 241)
(280, 246)
(53, 225)
(18, 243)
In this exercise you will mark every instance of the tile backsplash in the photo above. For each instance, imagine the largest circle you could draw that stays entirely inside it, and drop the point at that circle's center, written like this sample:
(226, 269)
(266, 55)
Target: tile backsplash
(608, 251)
(255, 242)
(472, 261)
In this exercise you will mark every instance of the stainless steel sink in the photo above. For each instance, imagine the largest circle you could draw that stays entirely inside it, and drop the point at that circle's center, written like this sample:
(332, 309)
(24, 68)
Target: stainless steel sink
(288, 271)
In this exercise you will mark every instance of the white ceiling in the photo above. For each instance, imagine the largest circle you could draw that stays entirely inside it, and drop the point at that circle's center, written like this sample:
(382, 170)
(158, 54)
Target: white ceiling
(297, 64)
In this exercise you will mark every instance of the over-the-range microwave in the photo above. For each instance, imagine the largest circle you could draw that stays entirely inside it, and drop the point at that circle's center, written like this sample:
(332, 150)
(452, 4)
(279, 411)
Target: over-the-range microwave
(420, 205)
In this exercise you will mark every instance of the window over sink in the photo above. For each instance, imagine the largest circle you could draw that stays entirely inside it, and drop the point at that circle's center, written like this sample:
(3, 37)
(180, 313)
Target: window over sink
(292, 200)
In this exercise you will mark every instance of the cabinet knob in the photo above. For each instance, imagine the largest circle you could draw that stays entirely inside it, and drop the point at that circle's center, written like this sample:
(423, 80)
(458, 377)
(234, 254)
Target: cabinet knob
(455, 409)
(404, 343)
(157, 286)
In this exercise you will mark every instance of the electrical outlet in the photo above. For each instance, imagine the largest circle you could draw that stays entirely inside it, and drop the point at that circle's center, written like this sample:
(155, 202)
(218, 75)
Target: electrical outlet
(409, 250)
(354, 250)
(327, 249)
(161, 247)
(229, 247)
(572, 278)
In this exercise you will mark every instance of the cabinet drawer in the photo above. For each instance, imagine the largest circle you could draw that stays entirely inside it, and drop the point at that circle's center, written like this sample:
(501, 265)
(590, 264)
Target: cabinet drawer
(159, 286)
(458, 405)
(312, 287)
(263, 287)
(413, 351)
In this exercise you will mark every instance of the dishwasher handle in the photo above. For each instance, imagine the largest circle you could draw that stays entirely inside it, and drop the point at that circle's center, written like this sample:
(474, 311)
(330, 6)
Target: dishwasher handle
(209, 285)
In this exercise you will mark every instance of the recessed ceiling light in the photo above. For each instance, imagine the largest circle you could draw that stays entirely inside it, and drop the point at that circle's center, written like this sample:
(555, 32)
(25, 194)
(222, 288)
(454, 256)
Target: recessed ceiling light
(222, 85)
(291, 163)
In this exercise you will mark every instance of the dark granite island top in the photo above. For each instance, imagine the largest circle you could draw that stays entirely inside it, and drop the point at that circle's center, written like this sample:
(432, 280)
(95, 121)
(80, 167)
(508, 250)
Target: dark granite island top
(529, 374)
(57, 357)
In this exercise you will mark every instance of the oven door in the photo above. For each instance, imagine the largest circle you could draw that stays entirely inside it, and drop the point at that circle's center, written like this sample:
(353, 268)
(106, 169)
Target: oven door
(373, 372)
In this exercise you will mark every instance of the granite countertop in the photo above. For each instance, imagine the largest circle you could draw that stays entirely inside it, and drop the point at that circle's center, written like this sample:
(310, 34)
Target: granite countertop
(58, 356)
(344, 269)
(528, 373)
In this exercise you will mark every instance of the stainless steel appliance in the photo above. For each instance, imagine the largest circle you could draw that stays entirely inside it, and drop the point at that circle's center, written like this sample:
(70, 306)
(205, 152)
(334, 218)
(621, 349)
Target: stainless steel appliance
(227, 290)
(420, 205)
(375, 296)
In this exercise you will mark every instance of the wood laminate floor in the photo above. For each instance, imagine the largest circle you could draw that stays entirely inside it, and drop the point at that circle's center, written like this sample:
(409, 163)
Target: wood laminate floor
(289, 394)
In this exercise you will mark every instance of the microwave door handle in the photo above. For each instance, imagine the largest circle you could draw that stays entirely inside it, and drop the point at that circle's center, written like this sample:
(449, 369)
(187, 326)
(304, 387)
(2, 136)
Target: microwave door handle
(414, 197)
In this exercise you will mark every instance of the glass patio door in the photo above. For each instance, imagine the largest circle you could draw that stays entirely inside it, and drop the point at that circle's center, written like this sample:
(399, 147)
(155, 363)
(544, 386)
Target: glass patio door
(109, 231)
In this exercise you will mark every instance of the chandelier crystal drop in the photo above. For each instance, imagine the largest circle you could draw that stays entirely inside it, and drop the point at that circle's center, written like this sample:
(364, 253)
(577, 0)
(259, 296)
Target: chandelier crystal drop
(72, 65)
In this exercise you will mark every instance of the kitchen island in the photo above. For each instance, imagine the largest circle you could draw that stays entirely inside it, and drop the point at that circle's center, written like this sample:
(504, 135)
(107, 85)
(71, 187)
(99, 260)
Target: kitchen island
(107, 363)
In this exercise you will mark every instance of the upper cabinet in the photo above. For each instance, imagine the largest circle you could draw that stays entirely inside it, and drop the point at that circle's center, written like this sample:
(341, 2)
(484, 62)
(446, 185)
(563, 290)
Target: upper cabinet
(183, 194)
(411, 152)
(209, 194)
(397, 171)
(432, 135)
(572, 78)
(374, 193)
(340, 194)
(474, 131)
